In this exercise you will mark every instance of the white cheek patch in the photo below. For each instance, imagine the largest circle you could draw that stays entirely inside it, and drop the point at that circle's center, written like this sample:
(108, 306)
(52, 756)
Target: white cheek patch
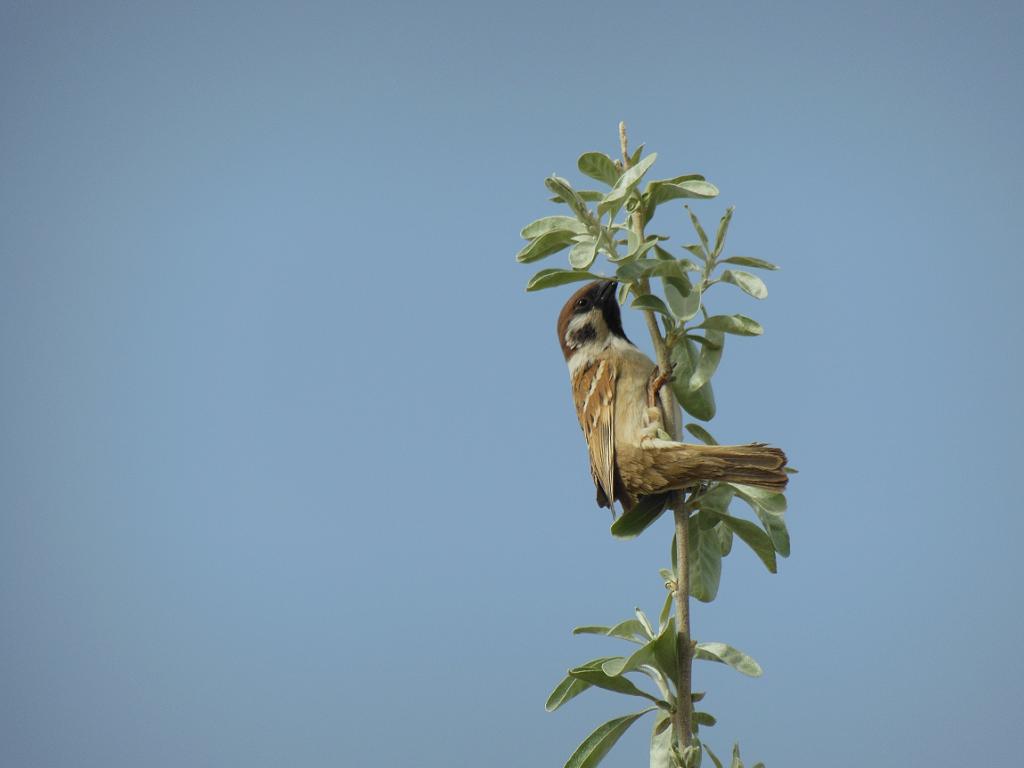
(578, 321)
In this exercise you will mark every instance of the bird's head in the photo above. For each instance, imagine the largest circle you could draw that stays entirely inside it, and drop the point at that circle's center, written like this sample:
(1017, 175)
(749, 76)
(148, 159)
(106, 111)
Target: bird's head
(590, 319)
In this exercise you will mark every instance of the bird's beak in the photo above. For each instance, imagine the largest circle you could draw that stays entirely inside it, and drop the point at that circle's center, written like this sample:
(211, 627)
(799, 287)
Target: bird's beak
(607, 292)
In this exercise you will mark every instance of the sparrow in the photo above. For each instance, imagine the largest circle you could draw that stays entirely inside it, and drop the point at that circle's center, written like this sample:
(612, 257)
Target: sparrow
(627, 415)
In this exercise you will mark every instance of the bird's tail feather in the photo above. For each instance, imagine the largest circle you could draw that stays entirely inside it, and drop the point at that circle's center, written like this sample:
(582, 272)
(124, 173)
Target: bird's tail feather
(673, 465)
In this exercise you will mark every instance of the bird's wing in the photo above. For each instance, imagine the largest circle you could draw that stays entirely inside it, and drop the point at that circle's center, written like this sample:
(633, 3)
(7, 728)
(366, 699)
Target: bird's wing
(594, 394)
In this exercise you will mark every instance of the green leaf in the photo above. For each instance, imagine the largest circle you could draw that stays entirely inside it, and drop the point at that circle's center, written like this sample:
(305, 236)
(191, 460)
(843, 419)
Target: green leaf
(599, 743)
(660, 653)
(713, 756)
(550, 278)
(769, 501)
(703, 341)
(664, 255)
(597, 165)
(636, 520)
(701, 434)
(749, 261)
(769, 508)
(663, 190)
(661, 253)
(726, 654)
(673, 270)
(597, 663)
(717, 498)
(755, 538)
(723, 227)
(704, 718)
(610, 209)
(583, 253)
(630, 629)
(775, 525)
(716, 503)
(587, 195)
(736, 762)
(632, 241)
(705, 556)
(689, 756)
(597, 677)
(661, 742)
(737, 324)
(623, 293)
(699, 230)
(699, 404)
(684, 306)
(570, 687)
(746, 282)
(651, 303)
(631, 271)
(567, 689)
(553, 224)
(702, 190)
(639, 248)
(697, 250)
(666, 611)
(725, 537)
(627, 181)
(666, 659)
(674, 180)
(659, 192)
(545, 245)
(645, 623)
(565, 193)
(707, 363)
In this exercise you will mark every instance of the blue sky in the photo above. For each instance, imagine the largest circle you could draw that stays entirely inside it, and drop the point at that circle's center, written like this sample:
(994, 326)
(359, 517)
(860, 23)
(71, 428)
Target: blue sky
(289, 473)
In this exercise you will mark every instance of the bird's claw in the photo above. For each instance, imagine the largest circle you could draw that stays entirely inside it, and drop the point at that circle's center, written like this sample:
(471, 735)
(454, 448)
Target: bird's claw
(658, 380)
(654, 427)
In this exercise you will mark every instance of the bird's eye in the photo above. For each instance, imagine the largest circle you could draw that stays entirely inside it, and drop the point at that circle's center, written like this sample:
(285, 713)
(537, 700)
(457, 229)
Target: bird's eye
(581, 303)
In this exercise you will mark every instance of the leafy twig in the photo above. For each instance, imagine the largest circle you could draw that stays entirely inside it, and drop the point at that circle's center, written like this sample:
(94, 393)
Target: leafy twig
(681, 718)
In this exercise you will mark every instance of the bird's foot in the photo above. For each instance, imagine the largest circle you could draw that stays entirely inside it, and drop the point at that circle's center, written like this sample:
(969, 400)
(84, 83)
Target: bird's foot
(654, 427)
(658, 379)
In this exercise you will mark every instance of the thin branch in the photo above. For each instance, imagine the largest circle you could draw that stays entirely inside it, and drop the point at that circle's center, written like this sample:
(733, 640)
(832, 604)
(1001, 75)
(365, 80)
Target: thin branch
(682, 717)
(684, 645)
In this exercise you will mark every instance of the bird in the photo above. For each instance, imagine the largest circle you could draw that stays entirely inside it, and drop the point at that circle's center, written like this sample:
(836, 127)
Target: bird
(627, 415)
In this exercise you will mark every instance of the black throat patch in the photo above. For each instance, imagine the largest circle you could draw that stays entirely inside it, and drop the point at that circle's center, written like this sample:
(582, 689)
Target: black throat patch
(582, 335)
(613, 318)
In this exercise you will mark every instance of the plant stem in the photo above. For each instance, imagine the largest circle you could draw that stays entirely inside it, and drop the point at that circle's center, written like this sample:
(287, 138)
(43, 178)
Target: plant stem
(682, 718)
(684, 646)
(637, 223)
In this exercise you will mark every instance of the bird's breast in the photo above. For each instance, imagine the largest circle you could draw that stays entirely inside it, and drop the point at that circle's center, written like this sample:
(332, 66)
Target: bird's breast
(634, 373)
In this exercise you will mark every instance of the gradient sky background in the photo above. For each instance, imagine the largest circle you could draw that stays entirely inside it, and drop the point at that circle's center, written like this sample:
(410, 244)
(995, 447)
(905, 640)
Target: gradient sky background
(289, 473)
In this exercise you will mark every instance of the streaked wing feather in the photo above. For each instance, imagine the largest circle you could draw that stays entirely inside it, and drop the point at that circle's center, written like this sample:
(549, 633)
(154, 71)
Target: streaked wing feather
(594, 394)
